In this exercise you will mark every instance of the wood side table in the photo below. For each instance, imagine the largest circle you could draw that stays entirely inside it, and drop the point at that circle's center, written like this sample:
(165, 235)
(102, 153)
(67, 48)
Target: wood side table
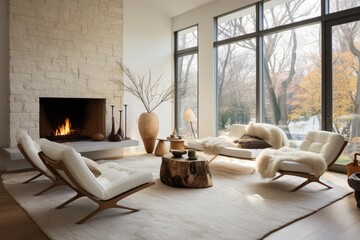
(161, 149)
(180, 172)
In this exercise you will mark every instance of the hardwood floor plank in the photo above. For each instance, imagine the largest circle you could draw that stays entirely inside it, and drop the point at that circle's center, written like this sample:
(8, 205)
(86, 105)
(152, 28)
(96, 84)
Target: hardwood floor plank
(15, 224)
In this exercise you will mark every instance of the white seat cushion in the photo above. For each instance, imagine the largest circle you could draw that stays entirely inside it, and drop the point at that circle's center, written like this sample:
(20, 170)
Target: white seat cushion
(296, 167)
(228, 151)
(116, 179)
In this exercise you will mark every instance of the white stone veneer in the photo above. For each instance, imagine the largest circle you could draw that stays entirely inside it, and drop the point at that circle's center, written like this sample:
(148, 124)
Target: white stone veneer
(67, 48)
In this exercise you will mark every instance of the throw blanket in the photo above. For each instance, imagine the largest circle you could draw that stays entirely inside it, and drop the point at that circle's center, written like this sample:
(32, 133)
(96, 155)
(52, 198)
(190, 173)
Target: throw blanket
(212, 145)
(270, 133)
(268, 162)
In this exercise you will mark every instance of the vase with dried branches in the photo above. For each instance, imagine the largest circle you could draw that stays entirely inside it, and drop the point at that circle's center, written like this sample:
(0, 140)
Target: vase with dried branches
(151, 93)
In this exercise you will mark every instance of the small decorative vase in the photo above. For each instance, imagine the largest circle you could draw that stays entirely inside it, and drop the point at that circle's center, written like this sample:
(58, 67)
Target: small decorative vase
(148, 128)
(120, 131)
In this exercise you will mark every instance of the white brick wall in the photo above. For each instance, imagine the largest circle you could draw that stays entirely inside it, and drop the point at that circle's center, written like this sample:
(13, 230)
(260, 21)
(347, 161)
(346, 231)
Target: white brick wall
(67, 48)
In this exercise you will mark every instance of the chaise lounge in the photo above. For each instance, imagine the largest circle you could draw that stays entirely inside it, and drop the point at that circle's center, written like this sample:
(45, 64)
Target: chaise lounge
(242, 141)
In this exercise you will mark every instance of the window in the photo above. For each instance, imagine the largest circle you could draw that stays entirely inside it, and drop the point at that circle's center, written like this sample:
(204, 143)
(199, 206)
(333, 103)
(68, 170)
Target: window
(288, 63)
(292, 79)
(186, 58)
(236, 84)
(282, 12)
(339, 5)
(236, 24)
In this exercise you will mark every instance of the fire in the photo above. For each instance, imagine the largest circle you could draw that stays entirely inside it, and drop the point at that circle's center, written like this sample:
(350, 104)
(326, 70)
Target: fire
(64, 129)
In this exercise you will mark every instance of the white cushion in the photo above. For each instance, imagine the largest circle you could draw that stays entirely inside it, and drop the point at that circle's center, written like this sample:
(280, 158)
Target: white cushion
(53, 150)
(116, 179)
(32, 149)
(228, 151)
(296, 167)
(327, 144)
(93, 166)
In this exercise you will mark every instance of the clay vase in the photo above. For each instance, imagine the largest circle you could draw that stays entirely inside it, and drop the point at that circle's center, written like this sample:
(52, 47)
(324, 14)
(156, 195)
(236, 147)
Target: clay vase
(148, 128)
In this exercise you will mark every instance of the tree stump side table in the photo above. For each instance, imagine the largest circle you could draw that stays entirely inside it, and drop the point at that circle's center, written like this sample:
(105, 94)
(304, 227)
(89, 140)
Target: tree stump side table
(180, 172)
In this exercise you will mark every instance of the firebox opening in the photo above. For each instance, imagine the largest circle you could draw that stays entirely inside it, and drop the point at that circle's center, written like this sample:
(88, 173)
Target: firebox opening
(71, 119)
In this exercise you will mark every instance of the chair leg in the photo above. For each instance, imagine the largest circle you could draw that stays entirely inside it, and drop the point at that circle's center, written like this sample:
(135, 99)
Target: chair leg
(98, 210)
(324, 184)
(128, 208)
(310, 180)
(102, 208)
(278, 177)
(213, 158)
(29, 180)
(301, 185)
(78, 195)
(54, 184)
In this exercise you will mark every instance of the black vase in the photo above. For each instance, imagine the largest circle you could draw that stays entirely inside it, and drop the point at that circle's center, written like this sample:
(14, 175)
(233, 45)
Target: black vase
(111, 135)
(120, 130)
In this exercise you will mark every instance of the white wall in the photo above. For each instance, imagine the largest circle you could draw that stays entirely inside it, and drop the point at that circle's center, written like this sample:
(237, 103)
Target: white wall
(204, 17)
(147, 45)
(4, 78)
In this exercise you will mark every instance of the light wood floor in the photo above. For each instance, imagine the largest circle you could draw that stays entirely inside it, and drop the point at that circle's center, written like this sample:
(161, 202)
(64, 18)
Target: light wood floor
(340, 220)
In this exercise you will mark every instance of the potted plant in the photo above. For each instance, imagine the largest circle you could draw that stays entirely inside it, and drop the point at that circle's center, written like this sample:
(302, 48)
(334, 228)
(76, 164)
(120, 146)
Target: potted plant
(151, 94)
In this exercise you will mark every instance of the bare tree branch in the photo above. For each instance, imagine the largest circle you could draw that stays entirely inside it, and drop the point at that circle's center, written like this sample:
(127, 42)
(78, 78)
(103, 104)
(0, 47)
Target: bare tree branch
(147, 90)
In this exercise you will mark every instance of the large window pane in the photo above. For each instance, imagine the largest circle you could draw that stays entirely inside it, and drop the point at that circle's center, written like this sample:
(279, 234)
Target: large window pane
(292, 76)
(339, 5)
(187, 92)
(281, 12)
(236, 83)
(236, 24)
(346, 88)
(187, 38)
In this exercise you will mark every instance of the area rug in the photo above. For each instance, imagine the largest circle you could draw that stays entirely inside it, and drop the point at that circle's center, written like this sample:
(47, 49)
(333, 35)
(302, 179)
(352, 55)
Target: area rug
(240, 205)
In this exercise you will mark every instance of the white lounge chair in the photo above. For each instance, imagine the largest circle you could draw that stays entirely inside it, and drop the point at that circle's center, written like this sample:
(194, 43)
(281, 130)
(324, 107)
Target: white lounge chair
(114, 183)
(318, 151)
(30, 149)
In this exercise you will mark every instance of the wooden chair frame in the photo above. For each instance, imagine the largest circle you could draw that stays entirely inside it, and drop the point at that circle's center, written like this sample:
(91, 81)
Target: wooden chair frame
(81, 192)
(310, 177)
(55, 181)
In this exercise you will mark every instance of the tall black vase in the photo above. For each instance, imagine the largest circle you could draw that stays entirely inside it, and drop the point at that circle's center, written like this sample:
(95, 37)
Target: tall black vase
(111, 135)
(120, 130)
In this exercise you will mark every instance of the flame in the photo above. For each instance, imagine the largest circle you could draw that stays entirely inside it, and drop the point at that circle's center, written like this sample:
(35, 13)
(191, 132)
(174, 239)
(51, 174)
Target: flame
(64, 129)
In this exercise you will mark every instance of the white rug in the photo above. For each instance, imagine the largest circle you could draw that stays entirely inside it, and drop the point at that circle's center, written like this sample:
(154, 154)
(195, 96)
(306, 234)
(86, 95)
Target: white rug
(238, 206)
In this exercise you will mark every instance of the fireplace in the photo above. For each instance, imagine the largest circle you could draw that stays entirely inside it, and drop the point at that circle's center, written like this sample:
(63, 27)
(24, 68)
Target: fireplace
(71, 119)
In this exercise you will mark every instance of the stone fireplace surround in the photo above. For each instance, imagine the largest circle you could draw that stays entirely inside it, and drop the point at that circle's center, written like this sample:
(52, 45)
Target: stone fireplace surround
(65, 49)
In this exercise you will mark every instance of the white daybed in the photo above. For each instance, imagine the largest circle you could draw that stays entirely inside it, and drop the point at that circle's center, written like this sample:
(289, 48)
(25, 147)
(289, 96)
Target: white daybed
(224, 144)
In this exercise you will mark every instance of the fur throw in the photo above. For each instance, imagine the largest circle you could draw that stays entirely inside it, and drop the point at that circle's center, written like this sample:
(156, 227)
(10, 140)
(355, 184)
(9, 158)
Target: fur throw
(269, 160)
(212, 145)
(270, 133)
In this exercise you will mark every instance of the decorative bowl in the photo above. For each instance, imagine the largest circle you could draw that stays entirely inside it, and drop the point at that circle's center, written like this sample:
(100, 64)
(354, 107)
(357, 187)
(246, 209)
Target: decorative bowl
(178, 153)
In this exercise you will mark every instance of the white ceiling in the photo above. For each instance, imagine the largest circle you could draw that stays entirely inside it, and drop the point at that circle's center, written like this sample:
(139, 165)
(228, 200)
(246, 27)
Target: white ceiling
(175, 7)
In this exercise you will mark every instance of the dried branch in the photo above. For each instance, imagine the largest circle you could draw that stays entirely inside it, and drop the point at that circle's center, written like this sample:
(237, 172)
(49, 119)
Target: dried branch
(146, 89)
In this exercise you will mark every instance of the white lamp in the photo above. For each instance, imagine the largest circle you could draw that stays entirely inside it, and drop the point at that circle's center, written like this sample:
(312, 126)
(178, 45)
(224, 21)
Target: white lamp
(189, 116)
